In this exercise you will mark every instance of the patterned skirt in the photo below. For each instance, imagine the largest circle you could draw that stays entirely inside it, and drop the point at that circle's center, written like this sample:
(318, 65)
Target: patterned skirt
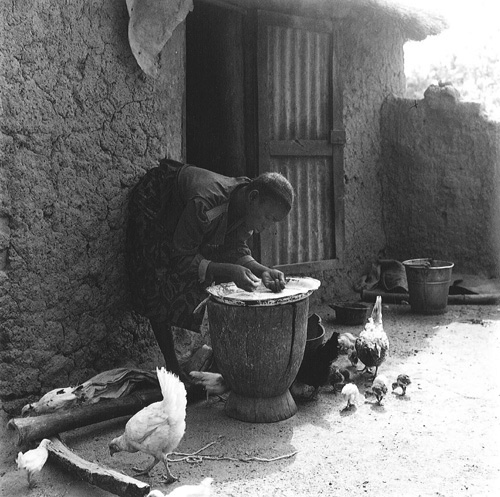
(159, 291)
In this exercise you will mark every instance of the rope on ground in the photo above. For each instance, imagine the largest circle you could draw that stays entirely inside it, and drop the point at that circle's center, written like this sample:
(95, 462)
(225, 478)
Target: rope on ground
(194, 457)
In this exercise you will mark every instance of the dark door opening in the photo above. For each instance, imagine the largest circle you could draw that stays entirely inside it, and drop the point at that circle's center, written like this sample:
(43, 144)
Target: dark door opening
(215, 82)
(263, 94)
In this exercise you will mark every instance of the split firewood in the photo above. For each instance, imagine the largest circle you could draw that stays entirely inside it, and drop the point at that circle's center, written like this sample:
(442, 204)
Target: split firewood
(46, 425)
(99, 476)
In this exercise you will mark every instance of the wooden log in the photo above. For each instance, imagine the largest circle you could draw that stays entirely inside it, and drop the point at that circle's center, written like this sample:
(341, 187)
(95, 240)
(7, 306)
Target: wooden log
(99, 476)
(398, 298)
(46, 425)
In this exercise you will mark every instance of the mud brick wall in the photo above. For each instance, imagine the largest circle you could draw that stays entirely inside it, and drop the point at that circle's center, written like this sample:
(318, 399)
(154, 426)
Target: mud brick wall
(371, 68)
(441, 181)
(80, 123)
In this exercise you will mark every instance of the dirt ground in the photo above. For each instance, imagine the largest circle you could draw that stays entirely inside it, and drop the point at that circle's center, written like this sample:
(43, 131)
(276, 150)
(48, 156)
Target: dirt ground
(441, 439)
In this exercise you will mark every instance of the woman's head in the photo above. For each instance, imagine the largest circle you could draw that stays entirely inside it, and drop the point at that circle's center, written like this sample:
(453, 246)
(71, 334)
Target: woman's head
(269, 199)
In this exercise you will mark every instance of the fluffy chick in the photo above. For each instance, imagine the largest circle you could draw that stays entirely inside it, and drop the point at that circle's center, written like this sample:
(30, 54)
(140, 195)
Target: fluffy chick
(338, 377)
(346, 343)
(302, 392)
(204, 489)
(350, 393)
(214, 383)
(158, 428)
(33, 460)
(402, 381)
(380, 387)
(353, 357)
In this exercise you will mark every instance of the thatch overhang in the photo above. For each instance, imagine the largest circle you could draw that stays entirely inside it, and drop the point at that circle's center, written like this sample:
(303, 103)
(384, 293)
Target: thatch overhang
(415, 23)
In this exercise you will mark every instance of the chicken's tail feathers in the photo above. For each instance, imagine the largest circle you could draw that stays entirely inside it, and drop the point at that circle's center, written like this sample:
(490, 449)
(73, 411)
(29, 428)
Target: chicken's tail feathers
(173, 391)
(377, 311)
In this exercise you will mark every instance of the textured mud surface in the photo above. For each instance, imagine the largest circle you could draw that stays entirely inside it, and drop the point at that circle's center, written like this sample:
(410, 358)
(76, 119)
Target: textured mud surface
(441, 439)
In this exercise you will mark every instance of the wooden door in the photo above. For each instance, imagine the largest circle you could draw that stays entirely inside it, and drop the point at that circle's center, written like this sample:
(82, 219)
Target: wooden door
(301, 135)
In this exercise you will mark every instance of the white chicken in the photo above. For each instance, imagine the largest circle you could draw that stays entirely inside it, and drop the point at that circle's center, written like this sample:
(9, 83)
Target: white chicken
(33, 460)
(372, 345)
(350, 393)
(158, 428)
(204, 489)
(214, 383)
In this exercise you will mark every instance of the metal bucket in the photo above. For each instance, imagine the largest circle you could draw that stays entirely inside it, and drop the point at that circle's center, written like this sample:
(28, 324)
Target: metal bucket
(428, 284)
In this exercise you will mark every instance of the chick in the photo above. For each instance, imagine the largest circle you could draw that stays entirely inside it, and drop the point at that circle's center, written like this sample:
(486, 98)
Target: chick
(346, 343)
(380, 387)
(302, 392)
(202, 490)
(338, 377)
(214, 383)
(347, 346)
(350, 393)
(158, 428)
(402, 381)
(353, 357)
(33, 460)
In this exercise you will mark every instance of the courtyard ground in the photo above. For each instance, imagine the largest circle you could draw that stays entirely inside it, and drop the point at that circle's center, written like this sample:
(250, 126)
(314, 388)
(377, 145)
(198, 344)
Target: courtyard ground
(441, 439)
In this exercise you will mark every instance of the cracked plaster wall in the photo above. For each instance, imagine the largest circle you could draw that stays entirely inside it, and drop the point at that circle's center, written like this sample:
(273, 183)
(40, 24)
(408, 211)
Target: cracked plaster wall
(371, 69)
(80, 123)
(441, 163)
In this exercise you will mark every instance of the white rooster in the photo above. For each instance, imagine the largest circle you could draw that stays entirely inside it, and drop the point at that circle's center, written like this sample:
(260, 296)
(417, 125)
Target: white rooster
(33, 460)
(372, 345)
(158, 428)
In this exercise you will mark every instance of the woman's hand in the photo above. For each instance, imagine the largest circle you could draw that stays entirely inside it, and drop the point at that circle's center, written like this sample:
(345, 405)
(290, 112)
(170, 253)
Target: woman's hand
(244, 278)
(274, 280)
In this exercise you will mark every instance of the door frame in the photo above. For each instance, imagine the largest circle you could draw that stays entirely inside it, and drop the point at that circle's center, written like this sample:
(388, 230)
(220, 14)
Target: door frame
(333, 147)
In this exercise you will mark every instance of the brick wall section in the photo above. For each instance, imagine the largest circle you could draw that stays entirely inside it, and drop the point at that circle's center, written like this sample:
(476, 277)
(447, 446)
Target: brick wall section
(441, 180)
(80, 124)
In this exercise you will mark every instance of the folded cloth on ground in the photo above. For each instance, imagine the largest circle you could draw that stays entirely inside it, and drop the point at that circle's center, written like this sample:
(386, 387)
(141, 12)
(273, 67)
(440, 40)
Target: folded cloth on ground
(110, 384)
(386, 274)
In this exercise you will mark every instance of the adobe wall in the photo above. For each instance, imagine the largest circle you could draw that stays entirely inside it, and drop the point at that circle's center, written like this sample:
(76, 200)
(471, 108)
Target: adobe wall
(80, 124)
(371, 68)
(441, 181)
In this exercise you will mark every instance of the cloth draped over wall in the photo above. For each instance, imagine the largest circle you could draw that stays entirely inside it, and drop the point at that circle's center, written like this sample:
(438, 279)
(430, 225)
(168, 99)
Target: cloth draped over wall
(151, 25)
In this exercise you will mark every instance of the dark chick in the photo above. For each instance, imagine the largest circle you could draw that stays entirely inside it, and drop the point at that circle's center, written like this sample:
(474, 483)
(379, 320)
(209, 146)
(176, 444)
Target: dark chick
(338, 378)
(315, 367)
(402, 381)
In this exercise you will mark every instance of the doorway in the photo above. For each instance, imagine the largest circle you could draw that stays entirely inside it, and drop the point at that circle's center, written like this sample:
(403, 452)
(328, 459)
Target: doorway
(263, 94)
(216, 119)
